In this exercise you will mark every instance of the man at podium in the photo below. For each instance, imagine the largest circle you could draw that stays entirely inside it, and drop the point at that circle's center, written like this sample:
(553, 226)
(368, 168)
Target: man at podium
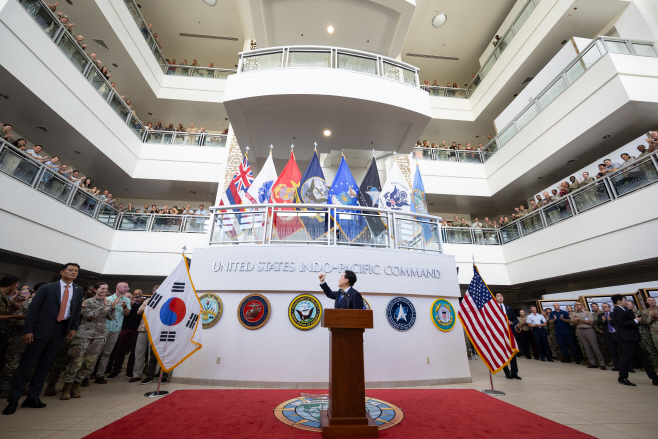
(346, 297)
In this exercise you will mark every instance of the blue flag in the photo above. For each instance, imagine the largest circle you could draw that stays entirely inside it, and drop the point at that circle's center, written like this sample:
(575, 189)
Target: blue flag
(419, 205)
(345, 191)
(313, 190)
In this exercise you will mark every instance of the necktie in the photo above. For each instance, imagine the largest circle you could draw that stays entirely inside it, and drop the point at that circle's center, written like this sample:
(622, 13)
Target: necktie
(607, 319)
(62, 306)
(340, 297)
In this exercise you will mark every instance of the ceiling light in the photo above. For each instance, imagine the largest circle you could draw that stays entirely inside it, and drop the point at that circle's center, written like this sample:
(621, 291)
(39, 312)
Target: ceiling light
(77, 152)
(330, 29)
(327, 133)
(606, 136)
(439, 19)
(210, 2)
(114, 64)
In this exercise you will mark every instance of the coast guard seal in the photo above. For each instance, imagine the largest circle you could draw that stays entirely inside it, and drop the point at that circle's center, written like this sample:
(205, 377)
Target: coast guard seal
(305, 312)
(443, 315)
(254, 311)
(401, 314)
(211, 309)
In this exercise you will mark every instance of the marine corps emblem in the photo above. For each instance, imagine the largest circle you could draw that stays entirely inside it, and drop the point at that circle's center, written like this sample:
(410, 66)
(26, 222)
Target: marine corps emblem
(254, 311)
(211, 309)
(305, 312)
(443, 315)
(284, 192)
(304, 412)
(401, 314)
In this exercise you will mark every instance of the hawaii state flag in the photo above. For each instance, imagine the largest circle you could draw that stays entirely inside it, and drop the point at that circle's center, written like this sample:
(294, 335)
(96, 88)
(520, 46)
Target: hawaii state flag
(172, 318)
(233, 224)
(345, 191)
(284, 190)
(313, 190)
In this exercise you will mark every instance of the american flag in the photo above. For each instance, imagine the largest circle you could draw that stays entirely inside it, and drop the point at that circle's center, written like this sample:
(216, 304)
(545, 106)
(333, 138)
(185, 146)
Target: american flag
(486, 325)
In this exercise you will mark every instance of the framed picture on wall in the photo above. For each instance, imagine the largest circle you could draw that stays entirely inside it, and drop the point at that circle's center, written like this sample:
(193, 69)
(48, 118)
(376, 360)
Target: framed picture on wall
(601, 299)
(543, 304)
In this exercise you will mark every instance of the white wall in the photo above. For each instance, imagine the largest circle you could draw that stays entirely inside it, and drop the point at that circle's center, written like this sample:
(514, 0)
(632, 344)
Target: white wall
(602, 291)
(516, 9)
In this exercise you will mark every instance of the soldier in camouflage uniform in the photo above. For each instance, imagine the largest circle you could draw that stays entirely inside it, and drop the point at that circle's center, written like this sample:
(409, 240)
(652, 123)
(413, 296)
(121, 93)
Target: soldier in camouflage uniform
(599, 334)
(552, 336)
(15, 345)
(646, 340)
(89, 340)
(653, 320)
(583, 353)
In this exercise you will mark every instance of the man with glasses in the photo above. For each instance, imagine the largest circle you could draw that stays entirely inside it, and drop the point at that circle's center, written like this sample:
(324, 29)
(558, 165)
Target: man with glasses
(113, 328)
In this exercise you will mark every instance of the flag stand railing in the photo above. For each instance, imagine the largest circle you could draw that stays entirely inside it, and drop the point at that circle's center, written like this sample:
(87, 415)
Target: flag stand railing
(161, 392)
(493, 392)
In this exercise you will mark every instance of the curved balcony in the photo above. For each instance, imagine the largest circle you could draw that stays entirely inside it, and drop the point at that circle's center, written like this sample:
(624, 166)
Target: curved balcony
(325, 225)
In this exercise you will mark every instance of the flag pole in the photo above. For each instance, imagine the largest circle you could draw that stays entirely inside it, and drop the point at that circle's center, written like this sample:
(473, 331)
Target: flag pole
(157, 392)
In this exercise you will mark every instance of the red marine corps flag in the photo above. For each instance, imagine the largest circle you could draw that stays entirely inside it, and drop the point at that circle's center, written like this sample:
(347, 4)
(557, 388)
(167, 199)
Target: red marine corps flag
(486, 325)
(172, 318)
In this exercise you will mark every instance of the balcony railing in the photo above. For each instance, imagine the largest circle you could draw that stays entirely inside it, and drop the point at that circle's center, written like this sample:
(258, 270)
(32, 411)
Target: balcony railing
(172, 69)
(450, 155)
(87, 67)
(180, 138)
(322, 224)
(574, 70)
(20, 166)
(328, 58)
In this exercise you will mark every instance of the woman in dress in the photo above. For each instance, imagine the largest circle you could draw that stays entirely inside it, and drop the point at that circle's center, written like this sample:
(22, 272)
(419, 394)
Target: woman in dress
(89, 340)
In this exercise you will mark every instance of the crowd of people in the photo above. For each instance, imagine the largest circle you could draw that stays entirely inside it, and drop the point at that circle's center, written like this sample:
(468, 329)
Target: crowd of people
(454, 146)
(74, 176)
(431, 87)
(589, 338)
(180, 129)
(86, 336)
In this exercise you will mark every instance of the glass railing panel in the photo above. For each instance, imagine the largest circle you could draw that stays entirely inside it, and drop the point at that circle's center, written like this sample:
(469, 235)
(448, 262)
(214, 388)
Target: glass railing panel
(503, 43)
(190, 139)
(156, 137)
(98, 82)
(150, 41)
(417, 234)
(358, 64)
(469, 156)
(262, 62)
(436, 91)
(54, 185)
(135, 222)
(84, 202)
(552, 92)
(223, 74)
(203, 72)
(423, 153)
(132, 8)
(634, 177)
(578, 68)
(160, 59)
(167, 223)
(527, 116)
(73, 52)
(309, 59)
(458, 235)
(445, 155)
(592, 196)
(216, 140)
(178, 70)
(364, 229)
(119, 107)
(488, 65)
(531, 223)
(558, 211)
(195, 224)
(509, 233)
(136, 126)
(617, 47)
(486, 236)
(506, 135)
(249, 227)
(17, 166)
(42, 15)
(644, 49)
(523, 16)
(107, 215)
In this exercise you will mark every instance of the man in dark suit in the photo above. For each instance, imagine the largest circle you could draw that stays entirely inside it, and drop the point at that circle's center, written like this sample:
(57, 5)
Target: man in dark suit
(346, 297)
(512, 320)
(53, 316)
(628, 336)
(609, 333)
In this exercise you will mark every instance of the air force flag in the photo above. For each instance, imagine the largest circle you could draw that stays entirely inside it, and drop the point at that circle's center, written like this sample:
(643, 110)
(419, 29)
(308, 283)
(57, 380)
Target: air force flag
(172, 318)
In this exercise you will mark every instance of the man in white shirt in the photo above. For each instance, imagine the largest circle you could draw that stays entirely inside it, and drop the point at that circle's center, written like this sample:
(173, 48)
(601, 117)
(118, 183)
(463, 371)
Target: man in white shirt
(537, 323)
(202, 210)
(35, 154)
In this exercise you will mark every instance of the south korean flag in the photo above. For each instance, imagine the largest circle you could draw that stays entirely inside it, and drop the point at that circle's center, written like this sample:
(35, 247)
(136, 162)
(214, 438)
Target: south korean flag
(172, 318)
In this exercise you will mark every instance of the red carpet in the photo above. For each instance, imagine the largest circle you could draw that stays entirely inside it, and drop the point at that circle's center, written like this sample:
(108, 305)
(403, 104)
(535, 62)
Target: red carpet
(249, 414)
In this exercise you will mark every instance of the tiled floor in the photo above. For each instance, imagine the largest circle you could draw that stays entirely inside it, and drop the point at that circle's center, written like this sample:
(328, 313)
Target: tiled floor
(589, 400)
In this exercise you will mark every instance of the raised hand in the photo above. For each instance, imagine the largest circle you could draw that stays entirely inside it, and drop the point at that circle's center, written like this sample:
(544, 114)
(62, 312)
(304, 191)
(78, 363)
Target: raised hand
(321, 277)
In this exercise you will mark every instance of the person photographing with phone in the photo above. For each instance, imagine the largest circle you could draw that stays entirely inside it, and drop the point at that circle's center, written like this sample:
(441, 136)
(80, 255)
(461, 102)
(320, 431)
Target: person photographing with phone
(346, 297)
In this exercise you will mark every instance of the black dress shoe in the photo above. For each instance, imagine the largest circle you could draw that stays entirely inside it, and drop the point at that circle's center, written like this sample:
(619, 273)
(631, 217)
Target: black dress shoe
(565, 361)
(10, 409)
(616, 369)
(655, 382)
(33, 403)
(551, 360)
(543, 359)
(516, 376)
(577, 361)
(625, 381)
(631, 371)
(509, 377)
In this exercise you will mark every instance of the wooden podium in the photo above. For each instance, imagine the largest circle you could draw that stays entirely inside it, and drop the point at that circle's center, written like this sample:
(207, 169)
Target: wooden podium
(346, 416)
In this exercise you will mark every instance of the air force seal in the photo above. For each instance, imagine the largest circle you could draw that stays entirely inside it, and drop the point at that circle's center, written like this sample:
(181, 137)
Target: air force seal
(254, 311)
(305, 312)
(211, 309)
(401, 314)
(443, 315)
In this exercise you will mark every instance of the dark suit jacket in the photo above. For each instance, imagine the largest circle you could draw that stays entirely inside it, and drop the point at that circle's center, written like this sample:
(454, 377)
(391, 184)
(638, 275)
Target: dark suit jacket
(604, 326)
(511, 315)
(44, 309)
(351, 299)
(627, 329)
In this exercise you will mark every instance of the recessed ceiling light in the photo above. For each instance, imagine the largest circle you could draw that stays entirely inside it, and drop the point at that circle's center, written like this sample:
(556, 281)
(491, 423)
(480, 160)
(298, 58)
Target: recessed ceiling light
(327, 133)
(77, 152)
(4, 96)
(150, 114)
(439, 19)
(330, 29)
(114, 64)
(192, 192)
(539, 178)
(606, 136)
(210, 2)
